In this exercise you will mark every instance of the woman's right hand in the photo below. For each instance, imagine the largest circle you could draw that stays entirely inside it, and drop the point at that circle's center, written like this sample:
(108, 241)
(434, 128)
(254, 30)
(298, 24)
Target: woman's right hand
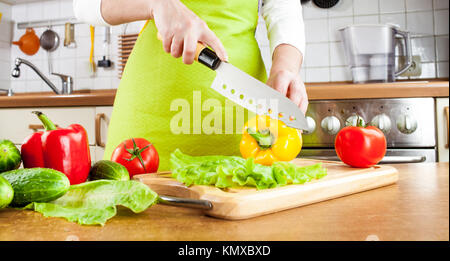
(181, 30)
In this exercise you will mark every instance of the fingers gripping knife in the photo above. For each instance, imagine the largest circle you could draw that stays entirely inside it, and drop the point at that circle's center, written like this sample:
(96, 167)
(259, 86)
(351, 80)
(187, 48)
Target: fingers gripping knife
(248, 92)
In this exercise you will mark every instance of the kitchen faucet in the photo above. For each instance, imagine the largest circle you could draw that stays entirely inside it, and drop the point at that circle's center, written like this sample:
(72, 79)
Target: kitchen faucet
(67, 81)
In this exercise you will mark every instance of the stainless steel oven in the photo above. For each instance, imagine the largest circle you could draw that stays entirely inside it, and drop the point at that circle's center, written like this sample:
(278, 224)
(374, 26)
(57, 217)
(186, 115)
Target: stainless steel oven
(408, 123)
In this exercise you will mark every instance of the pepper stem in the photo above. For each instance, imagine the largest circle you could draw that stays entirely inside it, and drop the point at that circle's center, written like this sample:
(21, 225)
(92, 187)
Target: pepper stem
(48, 124)
(263, 137)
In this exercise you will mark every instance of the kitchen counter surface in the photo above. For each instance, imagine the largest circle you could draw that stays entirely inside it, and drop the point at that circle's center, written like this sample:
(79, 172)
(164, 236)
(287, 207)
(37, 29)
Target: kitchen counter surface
(416, 208)
(316, 91)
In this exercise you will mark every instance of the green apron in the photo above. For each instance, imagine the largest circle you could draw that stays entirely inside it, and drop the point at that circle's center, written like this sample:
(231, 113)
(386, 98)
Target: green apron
(153, 80)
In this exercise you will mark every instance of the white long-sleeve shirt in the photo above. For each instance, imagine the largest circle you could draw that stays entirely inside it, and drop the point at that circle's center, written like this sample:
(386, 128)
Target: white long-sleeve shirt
(284, 20)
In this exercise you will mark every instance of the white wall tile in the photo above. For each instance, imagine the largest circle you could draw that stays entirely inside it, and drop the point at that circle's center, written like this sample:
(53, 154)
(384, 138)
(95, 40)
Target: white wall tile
(419, 5)
(366, 19)
(335, 24)
(425, 48)
(318, 74)
(392, 6)
(365, 7)
(317, 55)
(420, 22)
(441, 22)
(316, 30)
(337, 56)
(340, 74)
(311, 11)
(442, 48)
(342, 8)
(440, 4)
(52, 9)
(442, 69)
(396, 19)
(35, 11)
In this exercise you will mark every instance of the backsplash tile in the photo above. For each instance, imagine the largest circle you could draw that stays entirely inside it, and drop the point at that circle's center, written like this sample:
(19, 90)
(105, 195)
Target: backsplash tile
(324, 57)
(5, 45)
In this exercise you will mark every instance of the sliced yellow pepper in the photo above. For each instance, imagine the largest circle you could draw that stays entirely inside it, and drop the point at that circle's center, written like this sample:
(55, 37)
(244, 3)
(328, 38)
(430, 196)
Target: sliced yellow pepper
(268, 140)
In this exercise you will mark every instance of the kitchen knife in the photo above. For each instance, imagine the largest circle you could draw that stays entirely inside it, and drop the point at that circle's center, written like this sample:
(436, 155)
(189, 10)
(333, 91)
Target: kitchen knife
(248, 92)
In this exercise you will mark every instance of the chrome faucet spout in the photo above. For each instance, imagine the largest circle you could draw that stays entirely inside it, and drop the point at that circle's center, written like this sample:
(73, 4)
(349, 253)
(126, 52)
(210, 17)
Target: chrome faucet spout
(67, 81)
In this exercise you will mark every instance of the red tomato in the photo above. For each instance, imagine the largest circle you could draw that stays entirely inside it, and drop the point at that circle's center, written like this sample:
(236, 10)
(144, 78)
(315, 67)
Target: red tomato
(137, 155)
(360, 147)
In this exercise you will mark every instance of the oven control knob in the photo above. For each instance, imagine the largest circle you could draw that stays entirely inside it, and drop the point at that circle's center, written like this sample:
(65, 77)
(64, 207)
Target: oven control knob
(406, 124)
(331, 125)
(353, 120)
(311, 125)
(382, 122)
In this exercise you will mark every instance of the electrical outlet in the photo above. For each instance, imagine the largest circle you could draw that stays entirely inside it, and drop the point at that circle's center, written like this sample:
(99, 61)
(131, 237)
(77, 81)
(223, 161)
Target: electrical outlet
(416, 67)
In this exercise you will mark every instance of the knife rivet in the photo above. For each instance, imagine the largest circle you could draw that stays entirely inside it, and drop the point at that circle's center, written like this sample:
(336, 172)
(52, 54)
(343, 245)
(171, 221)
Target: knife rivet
(250, 101)
(241, 96)
(269, 111)
(224, 86)
(292, 118)
(280, 115)
(232, 91)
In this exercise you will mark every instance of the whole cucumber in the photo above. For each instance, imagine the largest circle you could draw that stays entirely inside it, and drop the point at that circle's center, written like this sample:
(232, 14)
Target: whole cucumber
(36, 185)
(107, 169)
(6, 192)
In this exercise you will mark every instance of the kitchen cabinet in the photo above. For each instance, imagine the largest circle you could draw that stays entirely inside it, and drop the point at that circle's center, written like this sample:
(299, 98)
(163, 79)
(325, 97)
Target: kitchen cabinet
(442, 122)
(18, 123)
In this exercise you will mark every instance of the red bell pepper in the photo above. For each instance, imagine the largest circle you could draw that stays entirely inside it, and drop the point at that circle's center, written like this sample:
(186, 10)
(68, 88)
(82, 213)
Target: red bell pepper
(65, 150)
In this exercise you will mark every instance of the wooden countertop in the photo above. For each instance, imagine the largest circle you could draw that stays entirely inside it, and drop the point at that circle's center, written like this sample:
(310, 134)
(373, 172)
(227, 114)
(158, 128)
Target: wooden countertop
(316, 91)
(416, 208)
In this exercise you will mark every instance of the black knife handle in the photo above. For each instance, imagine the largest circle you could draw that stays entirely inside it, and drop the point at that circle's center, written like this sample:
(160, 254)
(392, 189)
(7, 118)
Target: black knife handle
(208, 57)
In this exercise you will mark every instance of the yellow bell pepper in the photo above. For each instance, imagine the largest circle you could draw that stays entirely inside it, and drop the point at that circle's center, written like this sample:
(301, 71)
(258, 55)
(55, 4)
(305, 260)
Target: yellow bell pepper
(268, 140)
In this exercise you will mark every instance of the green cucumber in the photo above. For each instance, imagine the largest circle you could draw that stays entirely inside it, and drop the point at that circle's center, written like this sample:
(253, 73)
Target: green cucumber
(106, 169)
(6, 192)
(36, 185)
(9, 156)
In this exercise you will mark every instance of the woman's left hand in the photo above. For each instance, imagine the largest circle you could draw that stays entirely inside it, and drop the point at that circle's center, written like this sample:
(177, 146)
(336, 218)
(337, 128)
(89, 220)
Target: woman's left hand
(285, 75)
(291, 85)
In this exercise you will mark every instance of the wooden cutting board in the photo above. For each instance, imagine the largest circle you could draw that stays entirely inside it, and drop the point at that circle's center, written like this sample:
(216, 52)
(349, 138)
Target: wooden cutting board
(243, 203)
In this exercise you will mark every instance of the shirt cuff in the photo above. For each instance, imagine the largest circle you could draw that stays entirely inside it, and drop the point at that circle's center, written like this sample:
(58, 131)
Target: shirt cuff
(284, 23)
(89, 11)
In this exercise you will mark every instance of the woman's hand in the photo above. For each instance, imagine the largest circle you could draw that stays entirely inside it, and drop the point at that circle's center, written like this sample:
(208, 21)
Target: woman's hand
(284, 75)
(181, 30)
(179, 27)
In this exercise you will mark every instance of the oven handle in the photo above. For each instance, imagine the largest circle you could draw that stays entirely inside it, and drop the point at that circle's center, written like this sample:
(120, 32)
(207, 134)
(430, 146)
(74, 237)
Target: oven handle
(386, 159)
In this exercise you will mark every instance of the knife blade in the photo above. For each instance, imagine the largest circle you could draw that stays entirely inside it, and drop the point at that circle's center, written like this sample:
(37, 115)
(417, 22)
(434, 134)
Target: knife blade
(249, 92)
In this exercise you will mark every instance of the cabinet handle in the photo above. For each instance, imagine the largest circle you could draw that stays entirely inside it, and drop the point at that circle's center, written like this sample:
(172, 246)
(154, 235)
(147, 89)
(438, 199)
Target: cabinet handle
(37, 127)
(98, 133)
(448, 134)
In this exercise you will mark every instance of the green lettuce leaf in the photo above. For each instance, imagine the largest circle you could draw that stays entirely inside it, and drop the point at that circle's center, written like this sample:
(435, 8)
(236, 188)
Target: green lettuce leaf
(95, 202)
(232, 171)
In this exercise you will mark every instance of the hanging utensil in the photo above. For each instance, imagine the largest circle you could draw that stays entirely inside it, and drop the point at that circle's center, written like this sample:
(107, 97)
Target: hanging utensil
(69, 33)
(106, 62)
(49, 42)
(92, 65)
(29, 42)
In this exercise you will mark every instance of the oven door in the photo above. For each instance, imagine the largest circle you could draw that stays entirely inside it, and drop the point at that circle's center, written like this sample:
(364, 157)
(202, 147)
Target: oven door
(392, 155)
